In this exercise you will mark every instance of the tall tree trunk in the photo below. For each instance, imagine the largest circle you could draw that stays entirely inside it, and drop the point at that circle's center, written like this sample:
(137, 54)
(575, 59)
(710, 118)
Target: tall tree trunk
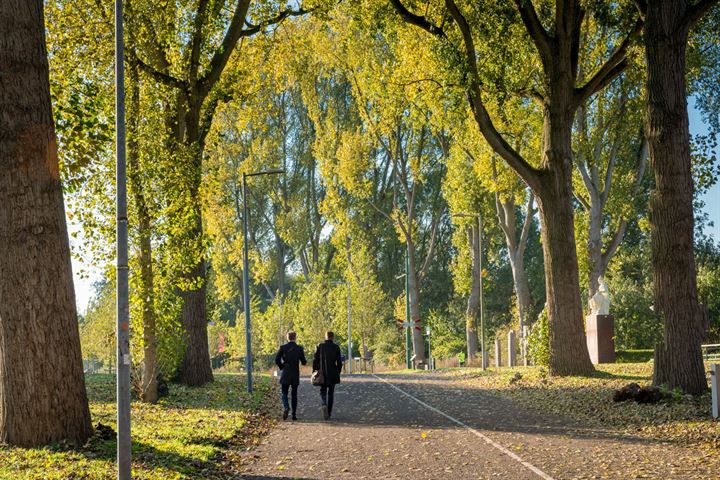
(148, 384)
(522, 287)
(417, 336)
(473, 305)
(566, 326)
(147, 290)
(281, 249)
(516, 244)
(42, 388)
(678, 358)
(196, 369)
(594, 247)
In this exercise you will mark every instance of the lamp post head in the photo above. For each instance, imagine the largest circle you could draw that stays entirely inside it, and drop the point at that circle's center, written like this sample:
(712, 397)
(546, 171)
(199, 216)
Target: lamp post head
(265, 172)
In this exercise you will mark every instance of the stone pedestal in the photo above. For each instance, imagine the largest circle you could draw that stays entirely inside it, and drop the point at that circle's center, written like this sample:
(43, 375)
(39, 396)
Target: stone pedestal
(498, 353)
(600, 333)
(511, 349)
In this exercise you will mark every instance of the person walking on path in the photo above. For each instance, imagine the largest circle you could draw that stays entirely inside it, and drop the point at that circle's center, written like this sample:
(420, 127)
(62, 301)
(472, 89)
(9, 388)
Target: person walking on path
(328, 361)
(288, 359)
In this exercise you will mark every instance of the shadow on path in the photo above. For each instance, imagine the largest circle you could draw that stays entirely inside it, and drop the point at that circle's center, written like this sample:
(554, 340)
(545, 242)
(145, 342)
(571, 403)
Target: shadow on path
(477, 408)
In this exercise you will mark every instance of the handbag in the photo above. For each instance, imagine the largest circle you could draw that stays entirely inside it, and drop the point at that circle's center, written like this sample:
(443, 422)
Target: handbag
(318, 377)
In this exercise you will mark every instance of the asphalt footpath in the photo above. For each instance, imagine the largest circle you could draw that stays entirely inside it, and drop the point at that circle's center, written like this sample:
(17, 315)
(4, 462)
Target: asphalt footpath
(431, 427)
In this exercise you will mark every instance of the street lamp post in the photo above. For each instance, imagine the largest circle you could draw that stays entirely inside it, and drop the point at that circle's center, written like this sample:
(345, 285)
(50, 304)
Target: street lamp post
(408, 329)
(246, 276)
(349, 305)
(124, 440)
(483, 360)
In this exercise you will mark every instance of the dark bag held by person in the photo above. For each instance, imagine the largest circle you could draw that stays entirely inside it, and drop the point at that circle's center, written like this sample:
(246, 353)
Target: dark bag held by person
(318, 377)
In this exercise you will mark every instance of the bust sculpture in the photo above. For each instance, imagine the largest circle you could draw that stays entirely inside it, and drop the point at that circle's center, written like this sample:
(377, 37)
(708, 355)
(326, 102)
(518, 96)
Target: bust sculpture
(600, 302)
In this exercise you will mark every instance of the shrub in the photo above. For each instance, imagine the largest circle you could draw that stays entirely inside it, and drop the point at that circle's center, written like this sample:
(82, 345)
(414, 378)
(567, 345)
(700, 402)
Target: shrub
(538, 348)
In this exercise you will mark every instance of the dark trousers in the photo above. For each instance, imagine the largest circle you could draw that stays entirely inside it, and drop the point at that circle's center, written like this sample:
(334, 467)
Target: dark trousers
(327, 394)
(286, 404)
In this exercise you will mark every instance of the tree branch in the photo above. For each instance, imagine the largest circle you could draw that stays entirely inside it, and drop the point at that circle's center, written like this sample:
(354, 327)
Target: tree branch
(525, 233)
(589, 185)
(222, 54)
(607, 185)
(619, 234)
(527, 172)
(614, 244)
(583, 201)
(502, 218)
(695, 12)
(197, 39)
(277, 19)
(536, 30)
(417, 20)
(611, 68)
(577, 32)
(431, 249)
(161, 77)
(642, 7)
(209, 113)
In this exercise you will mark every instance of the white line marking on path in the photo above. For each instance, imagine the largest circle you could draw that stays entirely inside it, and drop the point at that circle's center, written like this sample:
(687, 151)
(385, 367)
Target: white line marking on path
(487, 440)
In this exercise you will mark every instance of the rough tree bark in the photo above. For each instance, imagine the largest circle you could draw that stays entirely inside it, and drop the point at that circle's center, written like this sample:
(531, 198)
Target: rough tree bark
(566, 328)
(196, 368)
(42, 388)
(678, 357)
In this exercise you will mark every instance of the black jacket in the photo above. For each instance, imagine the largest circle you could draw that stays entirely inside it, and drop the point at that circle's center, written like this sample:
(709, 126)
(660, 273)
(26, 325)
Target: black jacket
(332, 365)
(288, 359)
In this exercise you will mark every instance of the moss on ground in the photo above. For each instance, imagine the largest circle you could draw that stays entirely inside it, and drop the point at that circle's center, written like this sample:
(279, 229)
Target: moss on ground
(192, 433)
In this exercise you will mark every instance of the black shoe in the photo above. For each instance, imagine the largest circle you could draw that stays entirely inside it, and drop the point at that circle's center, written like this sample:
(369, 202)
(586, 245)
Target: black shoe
(285, 414)
(294, 418)
(326, 414)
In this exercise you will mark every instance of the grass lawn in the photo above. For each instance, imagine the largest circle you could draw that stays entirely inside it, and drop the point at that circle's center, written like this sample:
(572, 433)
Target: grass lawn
(188, 434)
(684, 419)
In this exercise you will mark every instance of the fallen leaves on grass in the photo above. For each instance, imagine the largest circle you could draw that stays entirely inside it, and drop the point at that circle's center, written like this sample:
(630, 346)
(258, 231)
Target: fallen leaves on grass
(683, 419)
(187, 435)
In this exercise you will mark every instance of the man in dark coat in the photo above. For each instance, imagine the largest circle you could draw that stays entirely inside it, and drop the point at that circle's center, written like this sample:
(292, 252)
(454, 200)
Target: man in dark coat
(288, 359)
(327, 359)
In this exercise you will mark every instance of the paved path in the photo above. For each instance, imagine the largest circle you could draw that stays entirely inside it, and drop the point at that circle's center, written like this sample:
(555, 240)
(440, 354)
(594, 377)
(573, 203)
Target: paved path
(430, 427)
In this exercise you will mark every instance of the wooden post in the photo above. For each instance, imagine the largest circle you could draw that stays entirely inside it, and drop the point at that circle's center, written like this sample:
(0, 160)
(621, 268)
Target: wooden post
(511, 349)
